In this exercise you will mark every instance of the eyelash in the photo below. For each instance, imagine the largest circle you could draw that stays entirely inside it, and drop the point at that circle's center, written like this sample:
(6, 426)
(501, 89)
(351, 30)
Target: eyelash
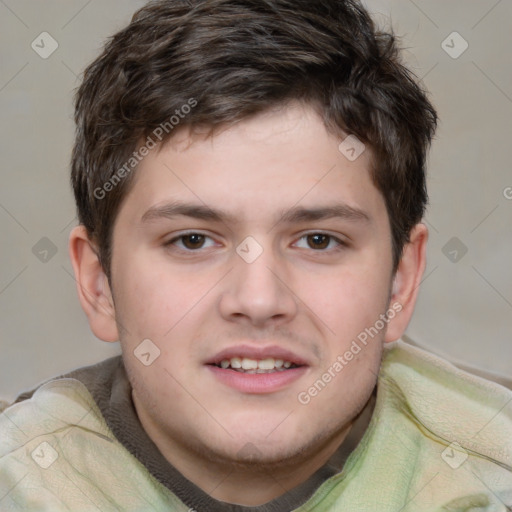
(341, 244)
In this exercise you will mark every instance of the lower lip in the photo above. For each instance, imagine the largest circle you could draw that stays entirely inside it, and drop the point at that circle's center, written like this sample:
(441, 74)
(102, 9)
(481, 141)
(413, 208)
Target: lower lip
(257, 382)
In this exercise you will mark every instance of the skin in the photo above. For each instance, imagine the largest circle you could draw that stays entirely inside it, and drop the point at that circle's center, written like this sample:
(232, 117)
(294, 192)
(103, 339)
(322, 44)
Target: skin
(242, 447)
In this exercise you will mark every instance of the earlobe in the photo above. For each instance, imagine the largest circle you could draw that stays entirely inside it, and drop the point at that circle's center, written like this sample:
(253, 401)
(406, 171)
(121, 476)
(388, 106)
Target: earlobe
(92, 285)
(406, 282)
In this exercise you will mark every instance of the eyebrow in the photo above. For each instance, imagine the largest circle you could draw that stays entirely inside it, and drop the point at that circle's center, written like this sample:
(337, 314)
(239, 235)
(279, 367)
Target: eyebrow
(293, 215)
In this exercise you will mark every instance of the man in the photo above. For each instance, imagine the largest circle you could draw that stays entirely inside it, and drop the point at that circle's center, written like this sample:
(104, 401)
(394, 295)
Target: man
(250, 184)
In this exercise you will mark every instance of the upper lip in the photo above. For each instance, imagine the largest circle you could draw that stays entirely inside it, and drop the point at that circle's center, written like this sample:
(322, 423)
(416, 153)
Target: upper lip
(258, 352)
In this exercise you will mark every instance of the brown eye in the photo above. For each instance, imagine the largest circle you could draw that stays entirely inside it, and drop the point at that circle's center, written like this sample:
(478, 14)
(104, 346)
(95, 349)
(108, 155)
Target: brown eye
(187, 243)
(322, 243)
(318, 241)
(193, 241)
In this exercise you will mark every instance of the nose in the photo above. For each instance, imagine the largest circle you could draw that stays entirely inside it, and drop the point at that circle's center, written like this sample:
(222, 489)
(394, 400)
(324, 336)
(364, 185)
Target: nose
(258, 292)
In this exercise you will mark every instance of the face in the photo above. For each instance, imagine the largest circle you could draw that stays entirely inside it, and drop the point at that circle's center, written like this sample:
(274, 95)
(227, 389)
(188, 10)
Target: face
(263, 246)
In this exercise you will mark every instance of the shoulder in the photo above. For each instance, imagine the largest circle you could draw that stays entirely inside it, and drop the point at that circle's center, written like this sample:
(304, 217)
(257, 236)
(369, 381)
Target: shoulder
(93, 376)
(440, 438)
(451, 403)
(58, 453)
(52, 408)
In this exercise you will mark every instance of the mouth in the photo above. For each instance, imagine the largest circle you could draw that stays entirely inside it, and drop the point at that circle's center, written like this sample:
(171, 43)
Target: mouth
(257, 370)
(248, 365)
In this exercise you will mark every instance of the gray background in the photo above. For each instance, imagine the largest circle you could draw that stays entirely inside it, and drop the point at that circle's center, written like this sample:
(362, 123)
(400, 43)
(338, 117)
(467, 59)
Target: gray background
(465, 305)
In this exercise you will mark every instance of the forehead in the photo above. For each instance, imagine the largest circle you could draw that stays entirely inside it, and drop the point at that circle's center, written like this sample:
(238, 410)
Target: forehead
(275, 160)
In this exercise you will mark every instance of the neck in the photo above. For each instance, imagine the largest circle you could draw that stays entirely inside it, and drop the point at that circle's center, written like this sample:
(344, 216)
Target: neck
(260, 483)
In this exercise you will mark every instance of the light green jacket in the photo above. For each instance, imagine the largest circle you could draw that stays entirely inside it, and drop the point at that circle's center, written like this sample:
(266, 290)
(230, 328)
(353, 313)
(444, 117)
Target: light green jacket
(439, 440)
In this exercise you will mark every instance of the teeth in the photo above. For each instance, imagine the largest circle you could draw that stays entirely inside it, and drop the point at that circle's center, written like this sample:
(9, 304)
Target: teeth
(236, 362)
(254, 365)
(266, 364)
(249, 364)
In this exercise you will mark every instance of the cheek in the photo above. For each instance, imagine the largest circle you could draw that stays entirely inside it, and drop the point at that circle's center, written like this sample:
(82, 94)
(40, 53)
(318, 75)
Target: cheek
(349, 301)
(151, 301)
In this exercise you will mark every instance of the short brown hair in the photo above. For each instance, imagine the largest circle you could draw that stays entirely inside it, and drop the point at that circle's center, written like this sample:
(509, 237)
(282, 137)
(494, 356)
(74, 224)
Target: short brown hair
(237, 58)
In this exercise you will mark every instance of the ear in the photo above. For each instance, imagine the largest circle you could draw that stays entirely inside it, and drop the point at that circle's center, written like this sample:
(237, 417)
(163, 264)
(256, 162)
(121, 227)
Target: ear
(407, 281)
(92, 285)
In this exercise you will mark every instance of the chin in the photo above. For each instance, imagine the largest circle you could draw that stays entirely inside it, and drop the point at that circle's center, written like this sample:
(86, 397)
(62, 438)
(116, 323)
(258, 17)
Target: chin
(270, 447)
